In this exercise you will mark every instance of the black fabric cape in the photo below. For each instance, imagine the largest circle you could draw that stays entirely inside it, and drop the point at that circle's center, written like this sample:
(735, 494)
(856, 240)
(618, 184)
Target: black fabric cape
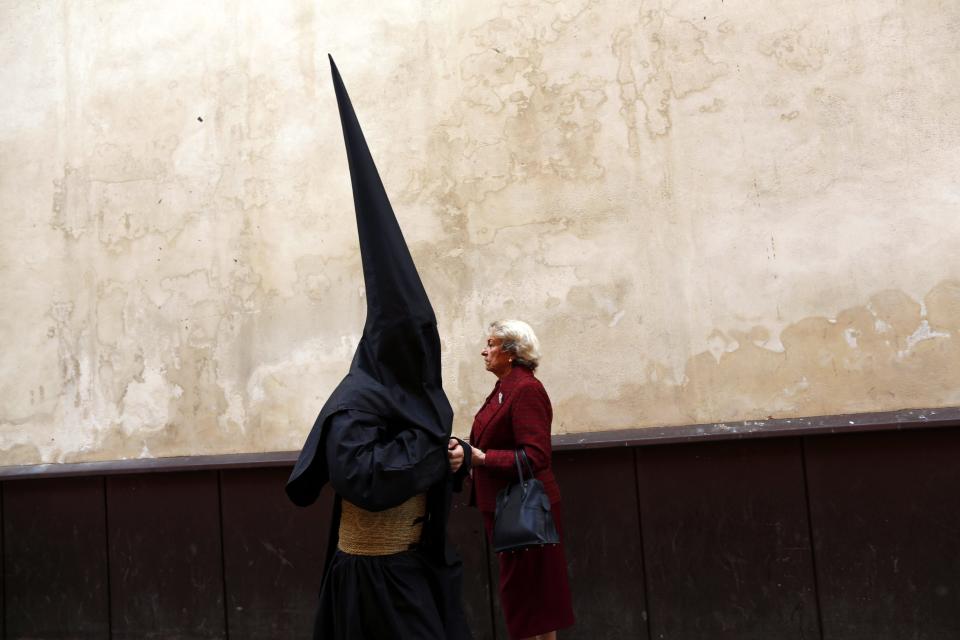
(395, 376)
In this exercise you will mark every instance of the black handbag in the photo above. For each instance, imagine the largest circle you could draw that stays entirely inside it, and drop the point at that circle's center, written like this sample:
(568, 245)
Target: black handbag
(522, 518)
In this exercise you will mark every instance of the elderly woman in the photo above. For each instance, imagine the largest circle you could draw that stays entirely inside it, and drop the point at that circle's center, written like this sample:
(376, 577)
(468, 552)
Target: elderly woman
(534, 590)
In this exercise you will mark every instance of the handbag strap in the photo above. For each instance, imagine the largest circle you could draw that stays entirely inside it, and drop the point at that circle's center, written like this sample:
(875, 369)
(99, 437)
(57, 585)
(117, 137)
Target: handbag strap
(520, 453)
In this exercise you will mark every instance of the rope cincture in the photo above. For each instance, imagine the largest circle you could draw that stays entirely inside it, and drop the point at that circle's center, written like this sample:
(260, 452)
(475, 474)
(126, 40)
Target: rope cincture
(382, 533)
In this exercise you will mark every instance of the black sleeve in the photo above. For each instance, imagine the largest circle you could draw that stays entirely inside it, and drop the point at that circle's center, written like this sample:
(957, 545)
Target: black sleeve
(464, 469)
(375, 470)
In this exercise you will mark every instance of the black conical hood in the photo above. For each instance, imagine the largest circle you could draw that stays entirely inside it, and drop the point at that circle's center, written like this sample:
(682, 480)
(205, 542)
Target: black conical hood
(395, 373)
(400, 347)
(392, 282)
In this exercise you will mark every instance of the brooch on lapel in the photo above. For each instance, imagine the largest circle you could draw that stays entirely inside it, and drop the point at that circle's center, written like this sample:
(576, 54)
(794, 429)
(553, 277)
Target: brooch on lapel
(500, 397)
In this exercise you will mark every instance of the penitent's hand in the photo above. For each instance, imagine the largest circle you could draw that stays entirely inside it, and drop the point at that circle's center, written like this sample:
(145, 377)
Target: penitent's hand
(454, 454)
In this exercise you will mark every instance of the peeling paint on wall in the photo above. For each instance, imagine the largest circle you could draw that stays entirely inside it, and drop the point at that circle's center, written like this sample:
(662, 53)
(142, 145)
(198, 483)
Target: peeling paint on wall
(709, 215)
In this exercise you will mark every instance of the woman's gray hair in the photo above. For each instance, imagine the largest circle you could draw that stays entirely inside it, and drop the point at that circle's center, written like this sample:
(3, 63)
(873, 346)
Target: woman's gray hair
(520, 340)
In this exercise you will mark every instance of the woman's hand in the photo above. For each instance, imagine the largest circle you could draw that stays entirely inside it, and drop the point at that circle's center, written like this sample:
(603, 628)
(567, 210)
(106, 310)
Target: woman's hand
(454, 454)
(478, 456)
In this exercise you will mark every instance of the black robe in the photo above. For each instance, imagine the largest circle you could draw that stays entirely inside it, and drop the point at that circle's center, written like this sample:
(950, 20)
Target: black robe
(412, 594)
(366, 446)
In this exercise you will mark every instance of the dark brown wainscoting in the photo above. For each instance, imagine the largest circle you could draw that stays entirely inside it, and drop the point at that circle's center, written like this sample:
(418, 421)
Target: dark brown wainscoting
(56, 576)
(726, 534)
(836, 537)
(273, 555)
(885, 513)
(166, 570)
(603, 543)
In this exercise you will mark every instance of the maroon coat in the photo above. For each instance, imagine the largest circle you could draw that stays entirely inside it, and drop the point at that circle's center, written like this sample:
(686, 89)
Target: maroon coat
(520, 419)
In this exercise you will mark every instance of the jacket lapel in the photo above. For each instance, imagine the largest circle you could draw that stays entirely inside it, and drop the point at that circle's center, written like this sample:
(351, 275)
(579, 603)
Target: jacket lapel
(507, 386)
(483, 427)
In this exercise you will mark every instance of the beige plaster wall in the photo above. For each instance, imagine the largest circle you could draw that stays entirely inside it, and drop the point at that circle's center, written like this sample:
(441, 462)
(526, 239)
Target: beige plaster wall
(711, 211)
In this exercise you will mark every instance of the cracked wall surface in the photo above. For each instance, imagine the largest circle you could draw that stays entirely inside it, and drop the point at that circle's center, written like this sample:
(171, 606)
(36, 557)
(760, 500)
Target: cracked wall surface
(710, 211)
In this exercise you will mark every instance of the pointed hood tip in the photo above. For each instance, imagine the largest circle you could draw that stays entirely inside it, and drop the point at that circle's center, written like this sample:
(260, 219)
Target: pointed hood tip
(390, 275)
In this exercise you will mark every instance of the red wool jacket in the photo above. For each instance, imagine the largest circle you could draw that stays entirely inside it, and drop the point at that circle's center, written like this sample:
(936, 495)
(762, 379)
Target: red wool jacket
(517, 413)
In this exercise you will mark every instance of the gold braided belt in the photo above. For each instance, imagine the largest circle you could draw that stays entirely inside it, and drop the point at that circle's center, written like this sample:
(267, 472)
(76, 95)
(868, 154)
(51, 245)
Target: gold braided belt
(382, 533)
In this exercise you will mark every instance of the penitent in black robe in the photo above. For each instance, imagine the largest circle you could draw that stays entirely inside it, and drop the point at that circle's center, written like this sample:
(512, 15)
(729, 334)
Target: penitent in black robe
(381, 438)
(373, 457)
(413, 594)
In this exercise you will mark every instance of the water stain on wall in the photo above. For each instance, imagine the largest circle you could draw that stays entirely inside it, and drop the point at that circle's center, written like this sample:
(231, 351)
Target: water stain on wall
(891, 353)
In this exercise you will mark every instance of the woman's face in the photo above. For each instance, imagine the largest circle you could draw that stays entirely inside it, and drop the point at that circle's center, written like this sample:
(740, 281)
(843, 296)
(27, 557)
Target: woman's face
(497, 360)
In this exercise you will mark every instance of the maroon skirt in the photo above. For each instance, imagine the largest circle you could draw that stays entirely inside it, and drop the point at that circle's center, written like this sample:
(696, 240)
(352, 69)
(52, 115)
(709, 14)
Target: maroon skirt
(534, 588)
